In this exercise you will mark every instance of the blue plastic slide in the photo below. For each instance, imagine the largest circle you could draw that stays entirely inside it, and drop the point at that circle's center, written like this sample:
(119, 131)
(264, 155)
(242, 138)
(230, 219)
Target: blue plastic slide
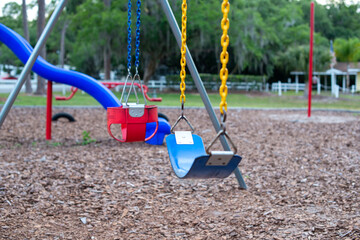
(22, 50)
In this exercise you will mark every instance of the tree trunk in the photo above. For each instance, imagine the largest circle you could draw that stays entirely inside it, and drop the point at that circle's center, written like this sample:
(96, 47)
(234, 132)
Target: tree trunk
(107, 49)
(217, 57)
(28, 88)
(40, 90)
(107, 59)
(62, 43)
(150, 68)
(107, 3)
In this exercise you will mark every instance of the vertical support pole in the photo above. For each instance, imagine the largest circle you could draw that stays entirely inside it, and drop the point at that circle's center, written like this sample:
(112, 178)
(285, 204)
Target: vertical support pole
(63, 90)
(199, 84)
(311, 55)
(296, 83)
(48, 110)
(325, 83)
(337, 89)
(318, 87)
(30, 63)
(279, 88)
(333, 82)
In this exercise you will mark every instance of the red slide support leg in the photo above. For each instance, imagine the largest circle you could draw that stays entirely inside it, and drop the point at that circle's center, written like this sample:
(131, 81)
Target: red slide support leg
(48, 110)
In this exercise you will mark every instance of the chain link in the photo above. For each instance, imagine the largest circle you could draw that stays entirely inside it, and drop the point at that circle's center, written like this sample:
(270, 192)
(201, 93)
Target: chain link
(183, 52)
(137, 39)
(224, 56)
(137, 53)
(129, 38)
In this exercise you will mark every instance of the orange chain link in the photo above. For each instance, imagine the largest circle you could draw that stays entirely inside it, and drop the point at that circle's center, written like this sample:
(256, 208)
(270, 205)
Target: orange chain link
(183, 52)
(224, 56)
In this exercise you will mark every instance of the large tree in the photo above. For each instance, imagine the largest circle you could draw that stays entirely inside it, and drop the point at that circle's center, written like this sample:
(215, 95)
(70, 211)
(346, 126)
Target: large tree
(101, 28)
(297, 58)
(40, 88)
(345, 19)
(28, 88)
(347, 50)
(107, 46)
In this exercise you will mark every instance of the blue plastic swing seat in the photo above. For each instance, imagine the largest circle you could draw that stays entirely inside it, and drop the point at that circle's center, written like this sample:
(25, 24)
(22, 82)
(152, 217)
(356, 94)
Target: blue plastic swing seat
(191, 160)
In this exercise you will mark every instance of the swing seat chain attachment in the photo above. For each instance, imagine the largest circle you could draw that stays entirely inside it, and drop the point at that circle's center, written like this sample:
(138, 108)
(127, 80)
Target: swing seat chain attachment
(182, 117)
(221, 157)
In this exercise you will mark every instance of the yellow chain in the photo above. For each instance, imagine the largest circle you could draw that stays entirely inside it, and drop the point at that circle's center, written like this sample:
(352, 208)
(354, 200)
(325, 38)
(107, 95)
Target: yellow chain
(224, 57)
(183, 52)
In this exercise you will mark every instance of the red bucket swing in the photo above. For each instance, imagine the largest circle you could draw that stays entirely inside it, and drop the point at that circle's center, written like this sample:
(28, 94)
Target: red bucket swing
(133, 117)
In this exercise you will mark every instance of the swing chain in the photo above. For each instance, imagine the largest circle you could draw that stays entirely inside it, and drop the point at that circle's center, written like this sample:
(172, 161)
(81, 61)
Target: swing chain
(183, 71)
(183, 52)
(129, 38)
(223, 120)
(224, 57)
(137, 39)
(137, 55)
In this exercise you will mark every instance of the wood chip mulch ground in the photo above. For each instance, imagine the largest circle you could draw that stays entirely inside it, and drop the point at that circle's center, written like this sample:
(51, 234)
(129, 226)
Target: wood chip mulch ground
(303, 178)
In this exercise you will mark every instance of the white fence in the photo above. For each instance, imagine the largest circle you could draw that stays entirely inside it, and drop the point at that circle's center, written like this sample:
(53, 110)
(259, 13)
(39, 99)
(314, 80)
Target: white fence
(6, 86)
(280, 87)
(157, 84)
(287, 86)
(161, 85)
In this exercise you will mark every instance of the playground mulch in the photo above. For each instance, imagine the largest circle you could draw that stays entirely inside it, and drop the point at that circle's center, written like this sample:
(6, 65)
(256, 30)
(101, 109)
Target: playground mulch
(302, 174)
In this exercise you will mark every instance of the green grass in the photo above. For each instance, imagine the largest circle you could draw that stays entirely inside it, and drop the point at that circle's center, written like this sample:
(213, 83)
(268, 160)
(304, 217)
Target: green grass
(249, 99)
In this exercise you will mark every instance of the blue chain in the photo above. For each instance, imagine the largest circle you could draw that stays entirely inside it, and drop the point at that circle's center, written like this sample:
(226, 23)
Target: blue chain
(129, 37)
(137, 42)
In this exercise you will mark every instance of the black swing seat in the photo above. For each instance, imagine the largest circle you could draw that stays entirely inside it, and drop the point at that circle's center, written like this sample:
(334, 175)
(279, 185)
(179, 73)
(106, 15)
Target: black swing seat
(189, 159)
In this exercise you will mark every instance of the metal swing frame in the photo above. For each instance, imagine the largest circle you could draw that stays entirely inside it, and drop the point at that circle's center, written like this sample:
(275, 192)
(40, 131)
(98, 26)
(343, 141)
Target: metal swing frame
(177, 33)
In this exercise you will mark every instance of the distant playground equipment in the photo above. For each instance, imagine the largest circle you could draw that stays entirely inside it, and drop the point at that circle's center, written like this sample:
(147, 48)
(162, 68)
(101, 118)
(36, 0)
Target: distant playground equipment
(187, 153)
(8, 77)
(65, 115)
(223, 158)
(111, 85)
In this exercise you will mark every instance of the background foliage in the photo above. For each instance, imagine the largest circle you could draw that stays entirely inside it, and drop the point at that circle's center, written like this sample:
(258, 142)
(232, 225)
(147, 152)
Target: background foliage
(267, 37)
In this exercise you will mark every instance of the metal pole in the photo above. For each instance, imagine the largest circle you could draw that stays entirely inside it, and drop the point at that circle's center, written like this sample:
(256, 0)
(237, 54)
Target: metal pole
(199, 84)
(49, 96)
(30, 63)
(311, 55)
